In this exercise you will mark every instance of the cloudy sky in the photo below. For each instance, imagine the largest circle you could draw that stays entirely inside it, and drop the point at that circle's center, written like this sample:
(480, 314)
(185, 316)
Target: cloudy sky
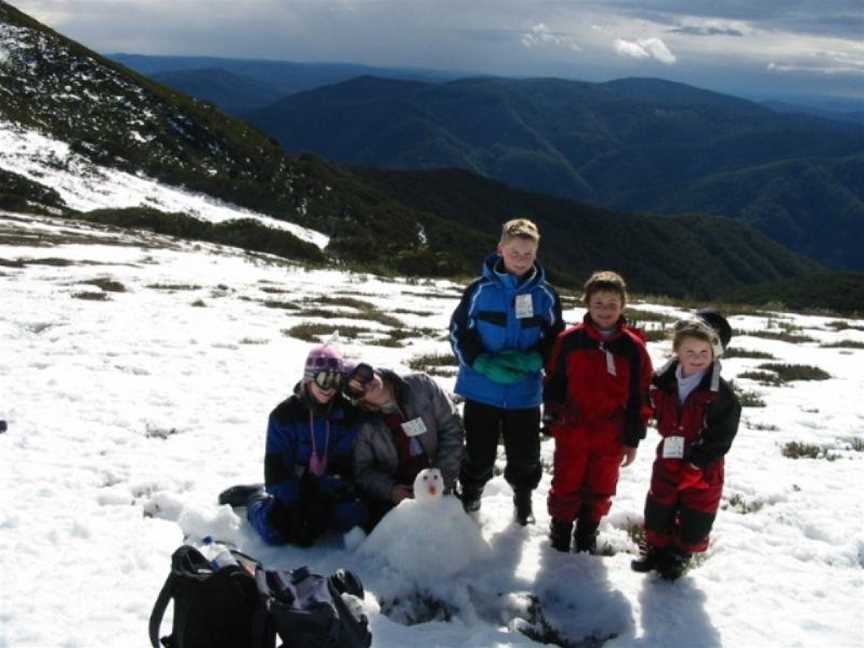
(752, 47)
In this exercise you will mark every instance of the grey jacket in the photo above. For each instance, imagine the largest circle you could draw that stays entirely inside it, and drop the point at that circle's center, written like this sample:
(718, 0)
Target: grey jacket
(376, 459)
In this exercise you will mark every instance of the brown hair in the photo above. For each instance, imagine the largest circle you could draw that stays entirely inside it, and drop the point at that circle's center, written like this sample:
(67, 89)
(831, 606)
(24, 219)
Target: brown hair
(605, 280)
(519, 228)
(699, 330)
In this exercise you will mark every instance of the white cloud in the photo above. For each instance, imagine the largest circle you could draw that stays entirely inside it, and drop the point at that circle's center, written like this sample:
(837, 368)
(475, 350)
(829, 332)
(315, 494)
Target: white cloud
(645, 48)
(540, 35)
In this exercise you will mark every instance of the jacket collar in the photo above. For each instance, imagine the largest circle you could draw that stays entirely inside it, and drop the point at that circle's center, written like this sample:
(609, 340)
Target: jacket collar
(495, 272)
(665, 379)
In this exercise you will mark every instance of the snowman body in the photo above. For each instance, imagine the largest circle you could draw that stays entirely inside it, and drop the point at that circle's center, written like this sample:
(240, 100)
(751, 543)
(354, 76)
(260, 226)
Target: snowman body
(428, 537)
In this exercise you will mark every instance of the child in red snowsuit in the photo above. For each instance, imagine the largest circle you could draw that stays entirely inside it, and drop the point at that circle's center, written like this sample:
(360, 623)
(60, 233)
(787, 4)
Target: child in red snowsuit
(697, 417)
(596, 406)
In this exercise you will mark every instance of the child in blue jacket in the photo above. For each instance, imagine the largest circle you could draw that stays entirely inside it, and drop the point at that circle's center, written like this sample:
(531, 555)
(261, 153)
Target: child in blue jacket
(308, 463)
(501, 334)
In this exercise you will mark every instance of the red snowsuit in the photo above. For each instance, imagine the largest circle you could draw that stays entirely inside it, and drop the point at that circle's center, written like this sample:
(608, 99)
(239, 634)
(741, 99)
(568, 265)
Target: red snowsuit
(596, 395)
(683, 501)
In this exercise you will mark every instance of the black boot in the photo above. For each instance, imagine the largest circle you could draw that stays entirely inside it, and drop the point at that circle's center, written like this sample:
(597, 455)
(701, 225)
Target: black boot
(241, 494)
(560, 534)
(523, 513)
(649, 559)
(586, 535)
(471, 499)
(674, 563)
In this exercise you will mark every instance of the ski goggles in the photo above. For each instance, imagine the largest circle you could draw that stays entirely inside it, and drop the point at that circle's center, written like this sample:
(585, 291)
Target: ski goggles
(362, 374)
(324, 372)
(328, 379)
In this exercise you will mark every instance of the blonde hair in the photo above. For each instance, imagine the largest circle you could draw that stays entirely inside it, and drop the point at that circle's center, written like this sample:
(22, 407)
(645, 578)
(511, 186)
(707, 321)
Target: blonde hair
(605, 280)
(519, 228)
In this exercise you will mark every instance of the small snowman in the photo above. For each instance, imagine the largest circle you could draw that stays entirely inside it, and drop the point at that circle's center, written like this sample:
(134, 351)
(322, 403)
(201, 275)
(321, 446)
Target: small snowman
(428, 537)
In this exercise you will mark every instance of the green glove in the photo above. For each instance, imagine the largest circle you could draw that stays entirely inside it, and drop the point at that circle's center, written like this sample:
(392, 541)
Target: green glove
(490, 366)
(525, 361)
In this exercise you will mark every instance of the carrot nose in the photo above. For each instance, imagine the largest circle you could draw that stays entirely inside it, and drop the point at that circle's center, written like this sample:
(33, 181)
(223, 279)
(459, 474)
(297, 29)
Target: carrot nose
(433, 490)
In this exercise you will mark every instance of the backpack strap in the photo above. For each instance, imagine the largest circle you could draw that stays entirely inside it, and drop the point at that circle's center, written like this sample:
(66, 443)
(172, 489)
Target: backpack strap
(159, 610)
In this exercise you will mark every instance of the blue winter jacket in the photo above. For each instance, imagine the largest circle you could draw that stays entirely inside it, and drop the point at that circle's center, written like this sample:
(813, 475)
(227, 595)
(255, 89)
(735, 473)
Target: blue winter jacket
(485, 322)
(289, 446)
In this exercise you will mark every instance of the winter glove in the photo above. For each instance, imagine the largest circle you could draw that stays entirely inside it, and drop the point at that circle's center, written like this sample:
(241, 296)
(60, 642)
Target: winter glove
(691, 477)
(526, 361)
(490, 366)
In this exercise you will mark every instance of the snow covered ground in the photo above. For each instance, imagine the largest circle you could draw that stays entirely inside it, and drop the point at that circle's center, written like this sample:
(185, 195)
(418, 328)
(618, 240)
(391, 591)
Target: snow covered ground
(127, 415)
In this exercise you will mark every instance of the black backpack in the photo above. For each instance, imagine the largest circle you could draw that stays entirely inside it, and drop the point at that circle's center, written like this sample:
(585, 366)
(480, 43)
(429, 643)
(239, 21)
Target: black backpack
(307, 609)
(213, 608)
(229, 607)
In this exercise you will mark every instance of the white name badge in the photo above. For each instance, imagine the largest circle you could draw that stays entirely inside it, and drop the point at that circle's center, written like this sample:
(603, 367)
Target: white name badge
(524, 307)
(414, 427)
(673, 447)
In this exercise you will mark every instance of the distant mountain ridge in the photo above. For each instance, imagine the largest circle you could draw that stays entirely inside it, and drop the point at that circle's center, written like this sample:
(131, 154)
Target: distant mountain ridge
(641, 145)
(232, 93)
(256, 79)
(117, 119)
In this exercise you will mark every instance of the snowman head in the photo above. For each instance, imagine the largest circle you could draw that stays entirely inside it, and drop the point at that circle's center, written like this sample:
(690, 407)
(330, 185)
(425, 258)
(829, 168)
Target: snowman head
(428, 485)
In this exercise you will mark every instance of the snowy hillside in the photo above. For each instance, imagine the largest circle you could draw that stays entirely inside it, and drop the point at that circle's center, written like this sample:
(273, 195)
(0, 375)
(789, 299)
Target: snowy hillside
(84, 185)
(137, 374)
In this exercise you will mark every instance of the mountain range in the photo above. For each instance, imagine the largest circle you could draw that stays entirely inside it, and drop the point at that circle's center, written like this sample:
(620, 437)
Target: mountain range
(117, 119)
(238, 86)
(642, 145)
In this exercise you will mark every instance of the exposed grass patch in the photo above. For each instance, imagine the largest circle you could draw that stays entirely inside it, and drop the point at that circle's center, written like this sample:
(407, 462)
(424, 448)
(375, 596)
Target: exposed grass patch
(275, 303)
(656, 335)
(736, 352)
(790, 372)
(782, 336)
(798, 450)
(199, 303)
(254, 341)
(310, 332)
(748, 398)
(763, 378)
(740, 505)
(432, 295)
(323, 313)
(52, 261)
(843, 325)
(638, 315)
(348, 302)
(417, 607)
(91, 295)
(173, 287)
(419, 313)
(843, 344)
(16, 263)
(108, 285)
(762, 427)
(856, 444)
(366, 310)
(153, 432)
(437, 364)
(636, 532)
(275, 291)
